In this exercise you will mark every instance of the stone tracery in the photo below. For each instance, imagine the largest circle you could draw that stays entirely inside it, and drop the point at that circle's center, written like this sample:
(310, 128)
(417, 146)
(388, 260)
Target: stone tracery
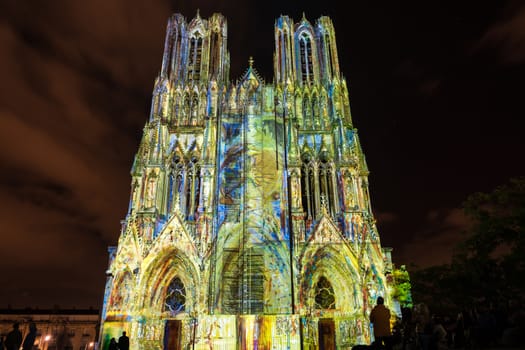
(250, 221)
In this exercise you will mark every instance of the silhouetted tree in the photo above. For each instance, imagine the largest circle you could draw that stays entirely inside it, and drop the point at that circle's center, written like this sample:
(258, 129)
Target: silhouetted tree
(489, 264)
(402, 287)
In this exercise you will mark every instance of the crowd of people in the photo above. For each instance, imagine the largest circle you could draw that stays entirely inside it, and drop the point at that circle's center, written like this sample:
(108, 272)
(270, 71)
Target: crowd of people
(482, 326)
(121, 344)
(13, 340)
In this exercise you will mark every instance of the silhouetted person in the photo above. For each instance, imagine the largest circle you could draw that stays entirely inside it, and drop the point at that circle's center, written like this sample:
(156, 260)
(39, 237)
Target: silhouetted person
(13, 339)
(459, 337)
(380, 318)
(483, 329)
(123, 342)
(30, 337)
(113, 344)
(439, 334)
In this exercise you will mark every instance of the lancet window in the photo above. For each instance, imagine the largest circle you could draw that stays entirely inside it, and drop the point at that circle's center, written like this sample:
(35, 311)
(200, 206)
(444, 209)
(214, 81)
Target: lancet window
(194, 59)
(175, 301)
(171, 61)
(192, 189)
(184, 182)
(318, 188)
(280, 53)
(175, 63)
(305, 53)
(283, 52)
(327, 55)
(215, 53)
(327, 188)
(308, 186)
(176, 183)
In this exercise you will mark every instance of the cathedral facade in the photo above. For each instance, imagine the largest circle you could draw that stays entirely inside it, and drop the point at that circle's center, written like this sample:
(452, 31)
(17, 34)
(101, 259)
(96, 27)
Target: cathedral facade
(249, 223)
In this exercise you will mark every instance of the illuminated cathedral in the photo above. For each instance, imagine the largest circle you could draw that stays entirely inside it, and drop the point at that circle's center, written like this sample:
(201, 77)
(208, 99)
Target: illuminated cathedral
(249, 223)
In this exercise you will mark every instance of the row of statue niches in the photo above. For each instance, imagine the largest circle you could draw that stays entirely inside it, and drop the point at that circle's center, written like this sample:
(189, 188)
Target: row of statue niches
(310, 113)
(192, 117)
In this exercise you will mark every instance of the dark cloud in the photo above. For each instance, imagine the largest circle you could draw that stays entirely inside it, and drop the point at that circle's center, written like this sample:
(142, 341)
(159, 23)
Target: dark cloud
(435, 245)
(507, 35)
(68, 103)
(385, 217)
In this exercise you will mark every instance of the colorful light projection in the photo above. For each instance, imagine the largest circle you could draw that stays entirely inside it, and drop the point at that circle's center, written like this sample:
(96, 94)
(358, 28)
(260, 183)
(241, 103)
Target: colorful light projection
(249, 224)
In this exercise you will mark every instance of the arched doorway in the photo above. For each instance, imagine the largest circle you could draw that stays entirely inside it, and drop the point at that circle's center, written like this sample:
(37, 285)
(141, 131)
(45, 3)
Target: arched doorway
(170, 287)
(174, 305)
(325, 302)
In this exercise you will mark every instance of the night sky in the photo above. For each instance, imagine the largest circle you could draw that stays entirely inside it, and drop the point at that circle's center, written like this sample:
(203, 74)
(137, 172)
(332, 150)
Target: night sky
(436, 91)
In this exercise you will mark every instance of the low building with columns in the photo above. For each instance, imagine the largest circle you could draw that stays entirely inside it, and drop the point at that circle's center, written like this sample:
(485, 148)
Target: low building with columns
(57, 329)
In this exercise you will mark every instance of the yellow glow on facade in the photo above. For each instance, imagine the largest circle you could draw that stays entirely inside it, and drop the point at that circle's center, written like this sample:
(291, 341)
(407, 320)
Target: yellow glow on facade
(249, 224)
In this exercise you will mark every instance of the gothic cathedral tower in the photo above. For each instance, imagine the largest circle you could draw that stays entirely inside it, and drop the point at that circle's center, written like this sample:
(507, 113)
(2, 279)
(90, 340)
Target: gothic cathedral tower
(249, 224)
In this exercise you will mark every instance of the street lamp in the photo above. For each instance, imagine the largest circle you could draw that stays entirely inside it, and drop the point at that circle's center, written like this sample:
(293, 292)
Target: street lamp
(44, 342)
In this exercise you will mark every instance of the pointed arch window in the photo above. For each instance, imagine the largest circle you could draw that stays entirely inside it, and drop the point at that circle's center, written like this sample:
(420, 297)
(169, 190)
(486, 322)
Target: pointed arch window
(318, 185)
(193, 181)
(185, 183)
(283, 54)
(280, 56)
(171, 57)
(308, 187)
(324, 294)
(171, 192)
(175, 61)
(215, 53)
(326, 184)
(176, 183)
(305, 56)
(327, 55)
(195, 56)
(175, 300)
